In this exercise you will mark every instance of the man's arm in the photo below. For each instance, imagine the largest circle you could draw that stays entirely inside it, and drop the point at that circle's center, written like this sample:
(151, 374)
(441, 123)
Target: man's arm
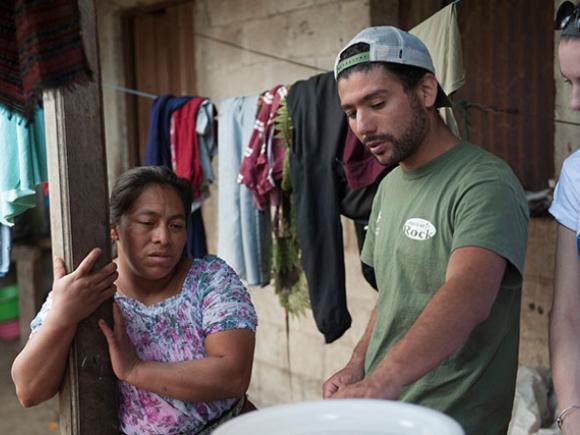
(472, 282)
(355, 368)
(565, 328)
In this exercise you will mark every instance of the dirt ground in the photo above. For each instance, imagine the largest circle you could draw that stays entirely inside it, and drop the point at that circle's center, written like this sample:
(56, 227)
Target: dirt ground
(14, 419)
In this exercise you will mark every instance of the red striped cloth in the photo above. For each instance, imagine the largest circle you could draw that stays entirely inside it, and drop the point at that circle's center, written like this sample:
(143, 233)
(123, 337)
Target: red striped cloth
(40, 48)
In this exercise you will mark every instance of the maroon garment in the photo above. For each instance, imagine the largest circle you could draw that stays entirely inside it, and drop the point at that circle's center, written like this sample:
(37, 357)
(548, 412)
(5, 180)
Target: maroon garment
(184, 139)
(263, 163)
(40, 48)
(361, 168)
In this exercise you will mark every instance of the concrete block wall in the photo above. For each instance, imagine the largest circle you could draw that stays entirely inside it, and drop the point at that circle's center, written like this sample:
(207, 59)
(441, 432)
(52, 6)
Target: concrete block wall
(537, 293)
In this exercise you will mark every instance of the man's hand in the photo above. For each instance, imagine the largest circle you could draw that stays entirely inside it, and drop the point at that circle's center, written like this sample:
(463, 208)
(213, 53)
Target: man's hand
(369, 388)
(348, 375)
(78, 294)
(124, 359)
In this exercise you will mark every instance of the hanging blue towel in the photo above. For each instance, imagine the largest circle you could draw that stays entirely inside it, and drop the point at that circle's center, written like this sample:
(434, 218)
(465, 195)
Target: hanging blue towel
(23, 163)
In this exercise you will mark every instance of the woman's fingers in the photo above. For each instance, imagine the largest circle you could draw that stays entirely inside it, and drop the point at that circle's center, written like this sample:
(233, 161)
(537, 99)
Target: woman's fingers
(108, 334)
(104, 283)
(88, 262)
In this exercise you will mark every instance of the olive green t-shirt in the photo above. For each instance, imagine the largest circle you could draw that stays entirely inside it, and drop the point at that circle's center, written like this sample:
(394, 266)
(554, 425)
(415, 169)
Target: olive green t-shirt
(464, 197)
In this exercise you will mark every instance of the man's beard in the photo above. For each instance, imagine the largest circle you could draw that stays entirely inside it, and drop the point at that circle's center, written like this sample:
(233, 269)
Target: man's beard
(407, 144)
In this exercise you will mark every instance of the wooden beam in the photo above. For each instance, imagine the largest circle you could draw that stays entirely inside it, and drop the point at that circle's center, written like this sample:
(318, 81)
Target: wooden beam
(79, 217)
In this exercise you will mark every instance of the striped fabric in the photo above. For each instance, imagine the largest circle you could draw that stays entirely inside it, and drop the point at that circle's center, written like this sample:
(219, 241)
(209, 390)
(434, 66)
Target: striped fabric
(40, 48)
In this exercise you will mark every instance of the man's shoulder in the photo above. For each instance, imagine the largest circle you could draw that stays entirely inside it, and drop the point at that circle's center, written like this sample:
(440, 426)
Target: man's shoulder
(480, 163)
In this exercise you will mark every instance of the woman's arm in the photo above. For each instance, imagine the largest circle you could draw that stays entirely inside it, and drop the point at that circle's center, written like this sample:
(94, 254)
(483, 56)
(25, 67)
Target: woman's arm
(225, 373)
(565, 328)
(37, 371)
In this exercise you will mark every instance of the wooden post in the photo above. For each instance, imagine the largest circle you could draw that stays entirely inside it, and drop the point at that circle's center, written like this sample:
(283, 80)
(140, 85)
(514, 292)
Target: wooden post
(77, 171)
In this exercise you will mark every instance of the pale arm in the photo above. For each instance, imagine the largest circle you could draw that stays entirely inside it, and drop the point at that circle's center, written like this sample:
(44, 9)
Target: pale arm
(37, 371)
(465, 300)
(354, 369)
(224, 373)
(565, 328)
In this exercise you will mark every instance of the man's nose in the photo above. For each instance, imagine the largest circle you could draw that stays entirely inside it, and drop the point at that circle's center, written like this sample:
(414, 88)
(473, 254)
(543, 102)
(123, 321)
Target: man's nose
(365, 124)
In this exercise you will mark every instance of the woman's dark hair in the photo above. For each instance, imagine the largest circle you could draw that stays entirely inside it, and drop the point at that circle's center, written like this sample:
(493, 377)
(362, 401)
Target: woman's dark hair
(568, 21)
(132, 183)
(408, 75)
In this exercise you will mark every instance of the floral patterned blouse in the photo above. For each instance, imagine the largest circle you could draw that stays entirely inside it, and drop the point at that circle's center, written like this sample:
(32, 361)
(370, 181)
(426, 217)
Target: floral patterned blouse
(212, 299)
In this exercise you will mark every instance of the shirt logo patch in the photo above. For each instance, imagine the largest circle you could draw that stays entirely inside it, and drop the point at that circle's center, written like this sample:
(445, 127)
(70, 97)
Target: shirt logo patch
(419, 229)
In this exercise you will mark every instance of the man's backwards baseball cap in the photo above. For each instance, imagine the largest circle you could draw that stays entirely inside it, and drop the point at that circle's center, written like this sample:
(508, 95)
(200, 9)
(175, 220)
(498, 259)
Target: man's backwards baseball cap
(392, 45)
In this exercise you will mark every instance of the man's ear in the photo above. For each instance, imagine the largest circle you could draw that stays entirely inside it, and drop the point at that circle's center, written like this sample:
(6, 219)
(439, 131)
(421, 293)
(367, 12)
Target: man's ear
(428, 90)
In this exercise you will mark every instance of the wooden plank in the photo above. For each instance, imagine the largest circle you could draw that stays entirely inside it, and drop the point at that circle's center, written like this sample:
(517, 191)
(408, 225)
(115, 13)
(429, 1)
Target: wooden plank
(79, 222)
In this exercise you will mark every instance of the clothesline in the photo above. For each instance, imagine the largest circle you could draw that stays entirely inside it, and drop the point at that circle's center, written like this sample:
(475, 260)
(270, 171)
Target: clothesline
(463, 104)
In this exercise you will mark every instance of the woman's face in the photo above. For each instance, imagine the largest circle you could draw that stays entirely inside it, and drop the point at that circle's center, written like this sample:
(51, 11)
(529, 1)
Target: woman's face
(151, 235)
(569, 54)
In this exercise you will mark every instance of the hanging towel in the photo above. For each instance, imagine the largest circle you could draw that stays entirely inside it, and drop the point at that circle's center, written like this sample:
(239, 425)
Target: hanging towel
(244, 236)
(40, 48)
(5, 244)
(184, 144)
(23, 163)
(440, 33)
(262, 166)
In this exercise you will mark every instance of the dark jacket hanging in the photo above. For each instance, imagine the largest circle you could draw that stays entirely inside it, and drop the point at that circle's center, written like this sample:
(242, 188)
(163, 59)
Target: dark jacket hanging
(321, 195)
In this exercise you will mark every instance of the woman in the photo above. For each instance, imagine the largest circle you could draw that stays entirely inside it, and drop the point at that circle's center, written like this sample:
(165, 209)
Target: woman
(183, 337)
(565, 318)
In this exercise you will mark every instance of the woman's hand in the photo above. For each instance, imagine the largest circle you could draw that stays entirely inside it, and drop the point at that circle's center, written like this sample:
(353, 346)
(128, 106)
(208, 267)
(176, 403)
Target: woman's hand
(78, 294)
(124, 359)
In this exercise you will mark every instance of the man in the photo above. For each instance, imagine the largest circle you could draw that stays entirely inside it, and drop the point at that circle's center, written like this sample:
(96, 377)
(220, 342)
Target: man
(446, 237)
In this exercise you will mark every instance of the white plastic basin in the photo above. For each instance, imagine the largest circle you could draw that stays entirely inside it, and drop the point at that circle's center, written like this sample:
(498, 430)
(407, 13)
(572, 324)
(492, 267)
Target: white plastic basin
(342, 417)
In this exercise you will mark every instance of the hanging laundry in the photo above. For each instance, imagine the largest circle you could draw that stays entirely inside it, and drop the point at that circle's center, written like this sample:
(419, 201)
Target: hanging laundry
(158, 152)
(184, 145)
(288, 277)
(5, 245)
(41, 48)
(440, 33)
(244, 240)
(261, 168)
(204, 127)
(23, 163)
(321, 195)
